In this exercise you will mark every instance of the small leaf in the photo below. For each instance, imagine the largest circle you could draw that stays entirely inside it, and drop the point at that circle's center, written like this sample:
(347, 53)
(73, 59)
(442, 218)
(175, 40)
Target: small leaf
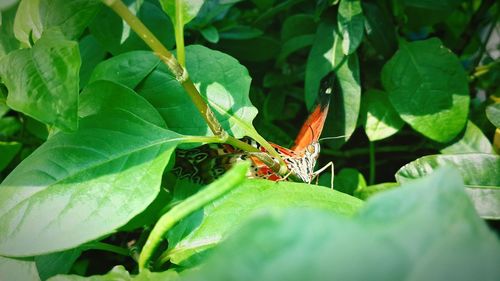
(427, 86)
(128, 69)
(8, 150)
(43, 81)
(409, 229)
(493, 114)
(9, 126)
(477, 169)
(472, 141)
(326, 55)
(189, 9)
(210, 33)
(293, 45)
(17, 270)
(227, 88)
(382, 121)
(56, 263)
(207, 228)
(80, 186)
(351, 24)
(349, 180)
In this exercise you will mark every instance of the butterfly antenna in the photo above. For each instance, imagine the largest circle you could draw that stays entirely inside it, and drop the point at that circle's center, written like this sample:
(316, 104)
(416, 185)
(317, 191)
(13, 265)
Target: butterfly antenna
(332, 138)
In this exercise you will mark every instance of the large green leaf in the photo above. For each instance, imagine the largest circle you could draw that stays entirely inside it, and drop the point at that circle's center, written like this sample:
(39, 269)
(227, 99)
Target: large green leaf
(35, 16)
(128, 69)
(427, 86)
(403, 234)
(80, 186)
(188, 9)
(43, 80)
(471, 141)
(18, 270)
(91, 54)
(381, 120)
(209, 226)
(7, 40)
(380, 30)
(220, 79)
(326, 55)
(351, 24)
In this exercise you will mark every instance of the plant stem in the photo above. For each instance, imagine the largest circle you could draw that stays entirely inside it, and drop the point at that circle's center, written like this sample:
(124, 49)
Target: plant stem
(185, 208)
(179, 33)
(371, 179)
(106, 247)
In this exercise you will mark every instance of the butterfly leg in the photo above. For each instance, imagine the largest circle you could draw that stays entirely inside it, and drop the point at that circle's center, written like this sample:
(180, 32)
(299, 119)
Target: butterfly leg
(329, 165)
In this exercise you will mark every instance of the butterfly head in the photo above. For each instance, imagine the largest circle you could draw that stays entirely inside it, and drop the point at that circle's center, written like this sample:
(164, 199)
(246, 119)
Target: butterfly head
(302, 165)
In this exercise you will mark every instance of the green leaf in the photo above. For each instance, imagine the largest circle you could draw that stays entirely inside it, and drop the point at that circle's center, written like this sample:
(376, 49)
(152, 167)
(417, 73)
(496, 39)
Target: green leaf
(403, 234)
(349, 180)
(326, 55)
(297, 25)
(43, 81)
(9, 126)
(260, 49)
(351, 24)
(8, 41)
(8, 150)
(188, 8)
(7, 4)
(493, 114)
(381, 120)
(80, 186)
(367, 191)
(17, 270)
(226, 88)
(240, 32)
(210, 33)
(36, 16)
(380, 30)
(120, 273)
(128, 69)
(473, 140)
(486, 201)
(91, 54)
(56, 263)
(209, 226)
(293, 45)
(428, 88)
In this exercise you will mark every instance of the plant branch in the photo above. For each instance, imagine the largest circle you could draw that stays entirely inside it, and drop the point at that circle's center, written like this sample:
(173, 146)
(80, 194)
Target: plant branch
(106, 247)
(179, 33)
(371, 179)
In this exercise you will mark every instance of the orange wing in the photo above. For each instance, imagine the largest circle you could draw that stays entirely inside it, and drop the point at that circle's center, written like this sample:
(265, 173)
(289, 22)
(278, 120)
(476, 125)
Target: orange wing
(311, 130)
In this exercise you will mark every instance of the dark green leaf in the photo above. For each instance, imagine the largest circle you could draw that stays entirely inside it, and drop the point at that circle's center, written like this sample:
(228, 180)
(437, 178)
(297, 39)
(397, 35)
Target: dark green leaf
(188, 9)
(128, 69)
(210, 33)
(298, 25)
(403, 234)
(427, 86)
(8, 150)
(80, 186)
(351, 24)
(293, 45)
(255, 50)
(240, 32)
(17, 270)
(7, 40)
(56, 263)
(227, 88)
(36, 16)
(91, 54)
(477, 169)
(43, 81)
(428, 12)
(349, 180)
(9, 126)
(326, 55)
(380, 30)
(207, 228)
(381, 120)
(473, 140)
(493, 113)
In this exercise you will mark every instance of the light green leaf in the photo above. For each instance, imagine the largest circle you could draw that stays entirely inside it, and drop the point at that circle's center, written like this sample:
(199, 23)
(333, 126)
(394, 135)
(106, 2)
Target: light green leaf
(80, 186)
(381, 120)
(493, 114)
(476, 169)
(43, 81)
(472, 141)
(8, 150)
(351, 24)
(206, 228)
(486, 201)
(188, 9)
(36, 16)
(227, 88)
(120, 273)
(128, 69)
(428, 87)
(403, 234)
(326, 55)
(367, 191)
(18, 270)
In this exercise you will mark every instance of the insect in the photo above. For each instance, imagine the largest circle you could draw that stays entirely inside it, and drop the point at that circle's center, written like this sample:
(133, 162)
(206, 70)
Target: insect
(206, 163)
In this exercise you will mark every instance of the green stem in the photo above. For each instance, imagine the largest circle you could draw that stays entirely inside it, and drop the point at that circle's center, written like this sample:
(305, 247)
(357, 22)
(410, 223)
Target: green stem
(213, 191)
(106, 247)
(179, 33)
(371, 179)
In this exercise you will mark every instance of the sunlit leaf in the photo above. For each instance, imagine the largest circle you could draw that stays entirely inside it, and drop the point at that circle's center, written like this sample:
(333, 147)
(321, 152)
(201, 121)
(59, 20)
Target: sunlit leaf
(351, 24)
